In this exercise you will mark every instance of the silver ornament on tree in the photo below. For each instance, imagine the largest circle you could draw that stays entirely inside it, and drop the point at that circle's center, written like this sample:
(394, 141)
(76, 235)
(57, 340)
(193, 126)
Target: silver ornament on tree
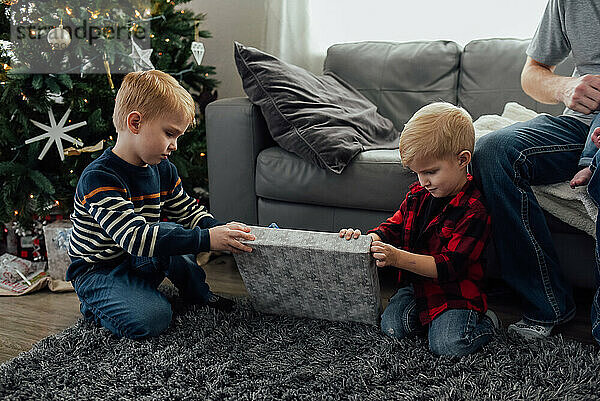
(197, 46)
(140, 57)
(59, 38)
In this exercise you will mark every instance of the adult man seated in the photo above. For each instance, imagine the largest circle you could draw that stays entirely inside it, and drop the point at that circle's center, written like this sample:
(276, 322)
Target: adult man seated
(544, 150)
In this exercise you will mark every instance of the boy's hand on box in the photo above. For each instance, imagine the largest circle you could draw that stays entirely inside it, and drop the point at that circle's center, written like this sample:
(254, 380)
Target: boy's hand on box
(238, 225)
(226, 238)
(349, 233)
(385, 254)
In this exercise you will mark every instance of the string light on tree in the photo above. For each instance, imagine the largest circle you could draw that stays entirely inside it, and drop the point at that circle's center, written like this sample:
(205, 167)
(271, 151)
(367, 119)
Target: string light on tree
(55, 133)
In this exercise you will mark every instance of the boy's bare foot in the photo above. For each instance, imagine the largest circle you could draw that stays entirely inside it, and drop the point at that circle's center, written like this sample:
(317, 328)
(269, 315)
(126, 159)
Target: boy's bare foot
(581, 178)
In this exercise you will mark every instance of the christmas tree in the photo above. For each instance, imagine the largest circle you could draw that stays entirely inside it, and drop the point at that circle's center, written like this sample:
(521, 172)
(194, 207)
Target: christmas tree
(33, 187)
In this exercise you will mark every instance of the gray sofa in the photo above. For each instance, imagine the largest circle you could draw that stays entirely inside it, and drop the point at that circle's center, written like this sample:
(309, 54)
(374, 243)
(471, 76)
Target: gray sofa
(255, 181)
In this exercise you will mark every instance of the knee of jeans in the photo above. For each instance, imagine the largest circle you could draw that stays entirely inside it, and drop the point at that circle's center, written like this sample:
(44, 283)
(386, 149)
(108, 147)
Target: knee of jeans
(491, 150)
(150, 321)
(450, 345)
(391, 326)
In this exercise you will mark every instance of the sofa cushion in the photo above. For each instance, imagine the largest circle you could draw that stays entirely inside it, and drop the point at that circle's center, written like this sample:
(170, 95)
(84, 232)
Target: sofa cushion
(374, 180)
(399, 78)
(320, 118)
(316, 217)
(490, 77)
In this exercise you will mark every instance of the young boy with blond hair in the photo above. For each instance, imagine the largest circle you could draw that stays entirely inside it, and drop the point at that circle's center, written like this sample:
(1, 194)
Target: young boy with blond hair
(120, 249)
(437, 237)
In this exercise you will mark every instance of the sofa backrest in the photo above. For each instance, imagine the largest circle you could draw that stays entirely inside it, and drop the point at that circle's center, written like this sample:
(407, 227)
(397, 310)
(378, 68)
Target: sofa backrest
(490, 76)
(399, 78)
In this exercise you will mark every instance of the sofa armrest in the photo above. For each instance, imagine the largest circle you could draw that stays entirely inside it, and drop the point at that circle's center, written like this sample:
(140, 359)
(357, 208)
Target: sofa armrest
(236, 132)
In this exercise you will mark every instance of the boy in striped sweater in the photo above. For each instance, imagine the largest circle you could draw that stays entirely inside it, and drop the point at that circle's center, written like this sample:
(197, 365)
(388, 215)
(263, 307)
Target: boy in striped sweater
(120, 250)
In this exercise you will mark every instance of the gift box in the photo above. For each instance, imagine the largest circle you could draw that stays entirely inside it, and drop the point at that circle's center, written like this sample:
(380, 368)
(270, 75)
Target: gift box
(311, 274)
(25, 243)
(57, 235)
(18, 275)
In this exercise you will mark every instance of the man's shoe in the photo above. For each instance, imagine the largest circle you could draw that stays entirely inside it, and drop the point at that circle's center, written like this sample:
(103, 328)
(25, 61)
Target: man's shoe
(494, 319)
(530, 330)
(217, 302)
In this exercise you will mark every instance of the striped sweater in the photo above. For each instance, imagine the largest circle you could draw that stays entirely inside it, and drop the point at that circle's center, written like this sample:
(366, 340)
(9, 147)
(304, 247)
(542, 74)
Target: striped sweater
(118, 208)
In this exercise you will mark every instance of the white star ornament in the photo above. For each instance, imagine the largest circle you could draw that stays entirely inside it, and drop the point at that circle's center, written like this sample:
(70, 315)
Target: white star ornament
(55, 133)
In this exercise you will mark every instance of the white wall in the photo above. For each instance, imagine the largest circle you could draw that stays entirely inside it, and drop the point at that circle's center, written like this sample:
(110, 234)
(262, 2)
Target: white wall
(228, 21)
(400, 20)
(335, 21)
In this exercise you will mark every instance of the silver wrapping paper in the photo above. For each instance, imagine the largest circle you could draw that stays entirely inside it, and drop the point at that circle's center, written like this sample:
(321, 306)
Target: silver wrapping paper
(311, 274)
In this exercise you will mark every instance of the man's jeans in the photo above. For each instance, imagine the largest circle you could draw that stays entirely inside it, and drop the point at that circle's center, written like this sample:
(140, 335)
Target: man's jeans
(506, 163)
(594, 192)
(590, 148)
(455, 332)
(125, 299)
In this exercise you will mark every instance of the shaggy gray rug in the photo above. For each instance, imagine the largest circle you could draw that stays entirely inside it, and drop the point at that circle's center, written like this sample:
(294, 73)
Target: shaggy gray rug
(246, 355)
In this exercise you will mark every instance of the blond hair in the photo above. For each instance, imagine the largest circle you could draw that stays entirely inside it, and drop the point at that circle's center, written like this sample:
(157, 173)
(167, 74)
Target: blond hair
(154, 94)
(437, 131)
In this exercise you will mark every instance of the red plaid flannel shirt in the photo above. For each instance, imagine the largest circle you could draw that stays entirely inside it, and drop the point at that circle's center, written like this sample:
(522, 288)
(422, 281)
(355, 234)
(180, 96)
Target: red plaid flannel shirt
(455, 238)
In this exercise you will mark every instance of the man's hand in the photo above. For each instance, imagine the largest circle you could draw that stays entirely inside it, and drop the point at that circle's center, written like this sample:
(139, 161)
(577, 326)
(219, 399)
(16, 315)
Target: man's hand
(385, 254)
(582, 94)
(226, 238)
(596, 137)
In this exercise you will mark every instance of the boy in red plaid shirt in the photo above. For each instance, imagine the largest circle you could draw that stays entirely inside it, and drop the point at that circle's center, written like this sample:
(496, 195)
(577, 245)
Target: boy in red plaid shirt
(437, 237)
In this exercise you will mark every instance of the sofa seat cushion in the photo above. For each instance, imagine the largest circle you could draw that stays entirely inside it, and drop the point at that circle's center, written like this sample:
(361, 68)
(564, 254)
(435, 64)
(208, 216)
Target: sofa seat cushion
(374, 180)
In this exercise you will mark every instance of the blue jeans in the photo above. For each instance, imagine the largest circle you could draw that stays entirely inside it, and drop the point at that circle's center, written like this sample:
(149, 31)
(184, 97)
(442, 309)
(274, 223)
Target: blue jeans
(506, 163)
(455, 332)
(590, 157)
(593, 189)
(125, 300)
(590, 148)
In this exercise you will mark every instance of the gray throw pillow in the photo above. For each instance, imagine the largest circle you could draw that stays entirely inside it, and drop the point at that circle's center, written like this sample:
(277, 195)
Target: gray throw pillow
(322, 119)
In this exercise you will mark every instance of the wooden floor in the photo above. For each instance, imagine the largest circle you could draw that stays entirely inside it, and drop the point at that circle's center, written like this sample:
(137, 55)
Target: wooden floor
(27, 319)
